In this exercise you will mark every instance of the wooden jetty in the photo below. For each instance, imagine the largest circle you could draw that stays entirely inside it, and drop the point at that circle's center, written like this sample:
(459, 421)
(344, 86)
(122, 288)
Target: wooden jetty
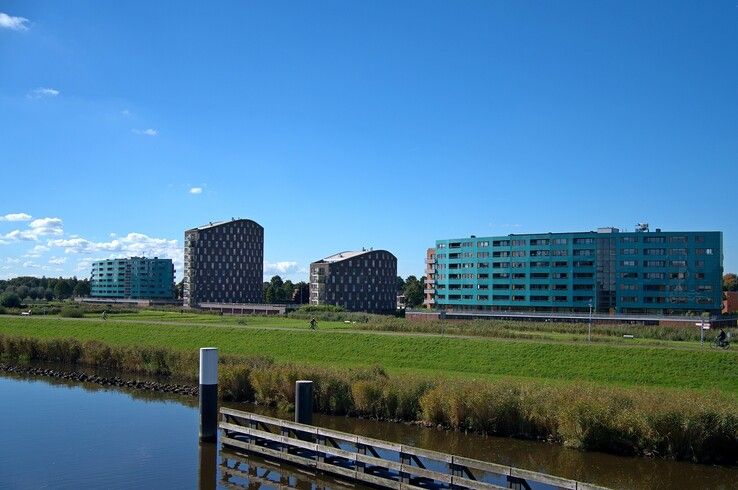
(372, 461)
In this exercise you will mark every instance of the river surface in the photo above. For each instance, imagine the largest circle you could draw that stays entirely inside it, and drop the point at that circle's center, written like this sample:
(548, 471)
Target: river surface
(65, 435)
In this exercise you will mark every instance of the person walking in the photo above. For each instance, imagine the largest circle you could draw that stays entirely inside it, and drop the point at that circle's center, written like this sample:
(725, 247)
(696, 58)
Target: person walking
(313, 324)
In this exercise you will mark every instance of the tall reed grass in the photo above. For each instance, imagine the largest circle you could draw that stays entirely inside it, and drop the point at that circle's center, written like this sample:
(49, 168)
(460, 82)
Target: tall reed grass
(678, 424)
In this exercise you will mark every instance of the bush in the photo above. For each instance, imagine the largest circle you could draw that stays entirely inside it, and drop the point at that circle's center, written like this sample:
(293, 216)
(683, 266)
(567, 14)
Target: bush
(10, 300)
(2, 310)
(71, 312)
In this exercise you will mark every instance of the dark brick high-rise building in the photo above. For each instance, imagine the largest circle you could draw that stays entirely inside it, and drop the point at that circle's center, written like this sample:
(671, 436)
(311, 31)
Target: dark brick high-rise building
(224, 263)
(357, 281)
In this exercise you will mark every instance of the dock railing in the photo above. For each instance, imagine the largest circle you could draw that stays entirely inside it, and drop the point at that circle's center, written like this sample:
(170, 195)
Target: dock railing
(373, 461)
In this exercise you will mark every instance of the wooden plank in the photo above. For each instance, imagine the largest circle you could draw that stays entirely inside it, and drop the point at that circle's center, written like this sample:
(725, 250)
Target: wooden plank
(543, 478)
(283, 423)
(378, 480)
(271, 452)
(426, 453)
(475, 484)
(435, 475)
(343, 436)
(350, 455)
(589, 486)
(291, 441)
(331, 468)
(368, 441)
(481, 465)
(236, 413)
(384, 463)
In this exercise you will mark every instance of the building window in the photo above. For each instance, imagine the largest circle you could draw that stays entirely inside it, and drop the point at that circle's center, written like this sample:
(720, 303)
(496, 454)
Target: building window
(628, 263)
(654, 239)
(583, 241)
(559, 241)
(703, 251)
(518, 243)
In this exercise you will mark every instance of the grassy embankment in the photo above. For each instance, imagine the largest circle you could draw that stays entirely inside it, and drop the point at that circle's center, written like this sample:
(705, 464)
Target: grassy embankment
(631, 400)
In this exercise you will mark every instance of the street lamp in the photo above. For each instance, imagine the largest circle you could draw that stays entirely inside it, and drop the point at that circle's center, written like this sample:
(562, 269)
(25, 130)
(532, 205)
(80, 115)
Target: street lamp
(590, 320)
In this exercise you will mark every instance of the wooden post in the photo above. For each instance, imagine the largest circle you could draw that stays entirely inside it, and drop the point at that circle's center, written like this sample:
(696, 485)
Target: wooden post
(208, 394)
(304, 402)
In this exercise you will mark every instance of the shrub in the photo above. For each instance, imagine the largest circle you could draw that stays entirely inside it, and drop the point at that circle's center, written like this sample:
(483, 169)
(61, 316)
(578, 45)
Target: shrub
(71, 312)
(10, 300)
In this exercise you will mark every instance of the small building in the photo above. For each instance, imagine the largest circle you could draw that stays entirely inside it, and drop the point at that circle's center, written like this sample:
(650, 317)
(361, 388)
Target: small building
(364, 280)
(132, 278)
(224, 263)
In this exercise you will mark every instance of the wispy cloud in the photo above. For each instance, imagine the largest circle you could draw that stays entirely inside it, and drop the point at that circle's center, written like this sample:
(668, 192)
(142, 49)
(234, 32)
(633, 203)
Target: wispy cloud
(13, 23)
(126, 113)
(42, 92)
(196, 190)
(285, 268)
(57, 260)
(37, 251)
(36, 229)
(16, 217)
(145, 132)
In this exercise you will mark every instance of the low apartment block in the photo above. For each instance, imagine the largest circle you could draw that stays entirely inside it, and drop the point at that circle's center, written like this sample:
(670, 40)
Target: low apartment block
(619, 272)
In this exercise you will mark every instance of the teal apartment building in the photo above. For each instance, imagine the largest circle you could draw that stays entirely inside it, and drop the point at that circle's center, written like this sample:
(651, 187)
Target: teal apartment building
(133, 278)
(652, 272)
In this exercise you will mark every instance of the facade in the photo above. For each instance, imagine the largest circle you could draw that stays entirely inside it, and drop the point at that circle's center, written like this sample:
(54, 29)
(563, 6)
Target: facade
(224, 263)
(616, 272)
(356, 281)
(133, 278)
(429, 283)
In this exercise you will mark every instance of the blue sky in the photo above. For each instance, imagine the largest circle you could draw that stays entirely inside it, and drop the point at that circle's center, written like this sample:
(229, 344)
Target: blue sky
(341, 125)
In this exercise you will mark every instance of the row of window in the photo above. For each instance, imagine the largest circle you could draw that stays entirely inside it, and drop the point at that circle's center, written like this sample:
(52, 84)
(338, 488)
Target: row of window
(517, 275)
(575, 241)
(661, 275)
(506, 297)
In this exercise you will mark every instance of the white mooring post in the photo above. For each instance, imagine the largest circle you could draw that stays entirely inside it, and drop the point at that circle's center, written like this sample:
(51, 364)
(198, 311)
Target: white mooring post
(208, 394)
(304, 402)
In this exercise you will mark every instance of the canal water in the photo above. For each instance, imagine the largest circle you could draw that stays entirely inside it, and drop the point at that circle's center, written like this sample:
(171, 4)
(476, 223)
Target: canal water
(66, 435)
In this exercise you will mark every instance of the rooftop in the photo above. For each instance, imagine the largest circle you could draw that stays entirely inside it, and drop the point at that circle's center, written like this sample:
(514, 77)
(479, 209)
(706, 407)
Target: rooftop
(344, 255)
(213, 224)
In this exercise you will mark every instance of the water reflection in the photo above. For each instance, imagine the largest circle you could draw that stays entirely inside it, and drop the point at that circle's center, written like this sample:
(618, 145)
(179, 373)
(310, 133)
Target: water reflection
(90, 436)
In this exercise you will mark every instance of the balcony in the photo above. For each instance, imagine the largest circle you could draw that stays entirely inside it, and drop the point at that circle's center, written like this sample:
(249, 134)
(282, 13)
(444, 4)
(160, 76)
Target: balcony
(430, 270)
(430, 261)
(429, 301)
(429, 291)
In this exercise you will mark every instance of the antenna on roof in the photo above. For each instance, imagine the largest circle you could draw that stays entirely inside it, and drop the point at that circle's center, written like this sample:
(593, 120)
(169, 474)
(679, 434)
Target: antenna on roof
(211, 222)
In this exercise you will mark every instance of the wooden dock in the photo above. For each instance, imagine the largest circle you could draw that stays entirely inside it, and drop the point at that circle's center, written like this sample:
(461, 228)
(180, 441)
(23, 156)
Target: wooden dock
(372, 461)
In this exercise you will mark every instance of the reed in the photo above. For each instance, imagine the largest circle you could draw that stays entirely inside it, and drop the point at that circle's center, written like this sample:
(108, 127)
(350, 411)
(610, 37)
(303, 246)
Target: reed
(680, 424)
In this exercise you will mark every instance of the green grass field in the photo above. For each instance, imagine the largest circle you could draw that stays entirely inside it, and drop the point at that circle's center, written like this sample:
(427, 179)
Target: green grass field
(338, 344)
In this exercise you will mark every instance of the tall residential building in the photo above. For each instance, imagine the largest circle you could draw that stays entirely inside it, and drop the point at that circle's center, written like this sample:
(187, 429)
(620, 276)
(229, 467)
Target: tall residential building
(365, 280)
(224, 263)
(133, 278)
(429, 283)
(621, 272)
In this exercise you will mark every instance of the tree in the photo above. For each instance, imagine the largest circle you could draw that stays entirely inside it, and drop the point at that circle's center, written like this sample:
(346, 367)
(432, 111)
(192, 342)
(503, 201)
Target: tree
(413, 292)
(62, 289)
(730, 282)
(179, 290)
(82, 288)
(10, 300)
(22, 291)
(301, 294)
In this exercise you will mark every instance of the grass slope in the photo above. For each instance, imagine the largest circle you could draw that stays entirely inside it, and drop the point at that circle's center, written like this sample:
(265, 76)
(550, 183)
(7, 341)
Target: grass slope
(430, 355)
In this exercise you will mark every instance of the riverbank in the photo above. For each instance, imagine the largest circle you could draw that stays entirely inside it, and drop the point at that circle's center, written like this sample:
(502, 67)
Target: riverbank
(680, 424)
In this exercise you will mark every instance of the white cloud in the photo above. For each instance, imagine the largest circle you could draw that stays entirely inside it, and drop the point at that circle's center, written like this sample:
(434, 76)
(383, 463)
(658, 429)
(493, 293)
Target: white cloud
(31, 265)
(133, 244)
(145, 132)
(36, 229)
(57, 260)
(13, 23)
(37, 251)
(126, 113)
(43, 92)
(16, 217)
(12, 260)
(196, 190)
(283, 267)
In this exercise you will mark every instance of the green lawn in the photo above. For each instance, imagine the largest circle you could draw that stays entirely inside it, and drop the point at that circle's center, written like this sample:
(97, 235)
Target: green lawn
(424, 354)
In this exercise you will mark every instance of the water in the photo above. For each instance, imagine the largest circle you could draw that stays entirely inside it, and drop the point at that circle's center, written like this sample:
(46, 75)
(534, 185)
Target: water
(62, 435)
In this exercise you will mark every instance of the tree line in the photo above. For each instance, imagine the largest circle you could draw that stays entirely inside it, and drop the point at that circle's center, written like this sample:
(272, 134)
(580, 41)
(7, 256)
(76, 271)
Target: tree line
(19, 290)
(730, 282)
